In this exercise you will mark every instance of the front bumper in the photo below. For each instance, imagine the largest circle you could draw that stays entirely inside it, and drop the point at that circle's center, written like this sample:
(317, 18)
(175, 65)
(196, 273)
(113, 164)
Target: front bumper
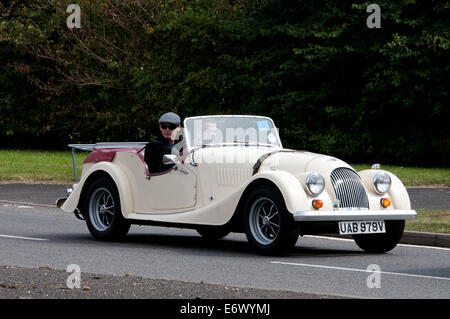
(353, 215)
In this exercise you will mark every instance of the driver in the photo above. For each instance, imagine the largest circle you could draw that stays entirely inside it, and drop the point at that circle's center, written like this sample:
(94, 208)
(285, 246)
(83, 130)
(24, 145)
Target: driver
(169, 125)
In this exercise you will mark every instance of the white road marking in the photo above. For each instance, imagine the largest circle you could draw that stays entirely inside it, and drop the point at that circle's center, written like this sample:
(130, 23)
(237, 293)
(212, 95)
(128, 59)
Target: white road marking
(330, 238)
(358, 270)
(25, 238)
(419, 246)
(351, 240)
(24, 204)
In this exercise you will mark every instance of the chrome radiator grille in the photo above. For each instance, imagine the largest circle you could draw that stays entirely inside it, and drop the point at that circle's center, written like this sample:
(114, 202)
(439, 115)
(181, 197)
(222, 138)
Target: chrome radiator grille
(349, 188)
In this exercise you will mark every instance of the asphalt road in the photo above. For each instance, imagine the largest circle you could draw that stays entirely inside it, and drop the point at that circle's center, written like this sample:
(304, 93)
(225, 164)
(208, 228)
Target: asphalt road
(33, 237)
(46, 194)
(429, 198)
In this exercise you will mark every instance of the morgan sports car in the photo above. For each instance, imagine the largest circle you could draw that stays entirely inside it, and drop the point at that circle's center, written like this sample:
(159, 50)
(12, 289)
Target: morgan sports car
(231, 173)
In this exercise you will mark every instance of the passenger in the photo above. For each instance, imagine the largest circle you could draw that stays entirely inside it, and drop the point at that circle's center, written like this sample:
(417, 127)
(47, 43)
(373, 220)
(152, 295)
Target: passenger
(209, 133)
(169, 125)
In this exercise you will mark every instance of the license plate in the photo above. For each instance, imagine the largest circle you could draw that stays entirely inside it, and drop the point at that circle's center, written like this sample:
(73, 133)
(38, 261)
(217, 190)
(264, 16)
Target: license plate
(362, 227)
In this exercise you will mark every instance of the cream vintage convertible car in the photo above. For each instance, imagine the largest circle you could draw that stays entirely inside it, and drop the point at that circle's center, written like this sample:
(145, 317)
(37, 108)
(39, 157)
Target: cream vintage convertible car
(231, 174)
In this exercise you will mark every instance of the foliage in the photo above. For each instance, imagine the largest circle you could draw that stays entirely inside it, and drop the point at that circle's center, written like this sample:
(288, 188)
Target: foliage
(331, 84)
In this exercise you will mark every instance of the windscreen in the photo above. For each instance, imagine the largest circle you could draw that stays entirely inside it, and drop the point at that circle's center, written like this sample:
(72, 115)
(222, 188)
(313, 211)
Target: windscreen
(215, 130)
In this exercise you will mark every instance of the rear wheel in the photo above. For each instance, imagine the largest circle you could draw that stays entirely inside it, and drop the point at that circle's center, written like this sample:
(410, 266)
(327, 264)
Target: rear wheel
(269, 227)
(102, 211)
(382, 243)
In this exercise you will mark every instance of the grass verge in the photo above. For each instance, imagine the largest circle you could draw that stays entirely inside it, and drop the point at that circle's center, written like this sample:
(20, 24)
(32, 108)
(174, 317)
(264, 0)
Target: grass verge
(39, 166)
(433, 221)
(415, 176)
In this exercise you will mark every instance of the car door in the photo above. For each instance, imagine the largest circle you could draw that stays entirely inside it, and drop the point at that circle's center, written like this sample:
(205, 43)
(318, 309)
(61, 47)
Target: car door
(172, 190)
(169, 191)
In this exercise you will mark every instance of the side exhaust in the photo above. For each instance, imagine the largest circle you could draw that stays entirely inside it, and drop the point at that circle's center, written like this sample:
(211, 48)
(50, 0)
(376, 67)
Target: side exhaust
(60, 201)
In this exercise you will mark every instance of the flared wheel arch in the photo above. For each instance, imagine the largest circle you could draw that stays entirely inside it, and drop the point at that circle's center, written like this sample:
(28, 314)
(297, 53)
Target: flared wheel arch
(90, 179)
(236, 222)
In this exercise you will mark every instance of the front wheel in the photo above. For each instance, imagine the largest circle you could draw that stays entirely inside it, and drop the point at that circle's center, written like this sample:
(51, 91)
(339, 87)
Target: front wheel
(382, 243)
(102, 211)
(269, 227)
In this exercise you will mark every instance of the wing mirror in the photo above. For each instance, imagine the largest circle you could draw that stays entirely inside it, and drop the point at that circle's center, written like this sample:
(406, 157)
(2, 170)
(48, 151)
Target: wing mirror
(169, 159)
(174, 159)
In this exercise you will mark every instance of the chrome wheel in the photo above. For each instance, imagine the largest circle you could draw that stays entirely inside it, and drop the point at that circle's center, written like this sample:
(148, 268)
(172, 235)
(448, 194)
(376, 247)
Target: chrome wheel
(264, 220)
(101, 209)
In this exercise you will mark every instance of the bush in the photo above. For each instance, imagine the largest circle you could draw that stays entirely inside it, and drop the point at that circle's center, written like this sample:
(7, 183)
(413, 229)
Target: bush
(331, 84)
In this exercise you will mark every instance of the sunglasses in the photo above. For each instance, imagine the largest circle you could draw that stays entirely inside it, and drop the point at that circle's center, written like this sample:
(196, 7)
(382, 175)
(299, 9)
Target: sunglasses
(169, 126)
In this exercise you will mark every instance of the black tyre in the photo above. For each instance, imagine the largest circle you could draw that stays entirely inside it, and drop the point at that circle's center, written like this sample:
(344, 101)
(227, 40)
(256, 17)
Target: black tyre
(269, 227)
(213, 232)
(382, 243)
(102, 211)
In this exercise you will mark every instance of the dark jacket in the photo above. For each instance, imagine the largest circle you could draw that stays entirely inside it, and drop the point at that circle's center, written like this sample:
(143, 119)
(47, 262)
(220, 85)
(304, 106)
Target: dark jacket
(154, 152)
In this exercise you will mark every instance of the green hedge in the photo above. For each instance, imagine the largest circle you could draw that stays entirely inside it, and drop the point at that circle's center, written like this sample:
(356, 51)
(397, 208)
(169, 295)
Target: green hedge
(331, 84)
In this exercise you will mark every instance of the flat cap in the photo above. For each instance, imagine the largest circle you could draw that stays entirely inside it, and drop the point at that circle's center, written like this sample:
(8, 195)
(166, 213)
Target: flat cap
(170, 118)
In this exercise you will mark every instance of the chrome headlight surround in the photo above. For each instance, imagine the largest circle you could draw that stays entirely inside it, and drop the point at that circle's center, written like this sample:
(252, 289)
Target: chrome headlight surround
(315, 183)
(382, 182)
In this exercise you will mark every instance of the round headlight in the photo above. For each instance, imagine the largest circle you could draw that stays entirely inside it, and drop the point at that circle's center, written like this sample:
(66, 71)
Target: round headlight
(315, 183)
(382, 182)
